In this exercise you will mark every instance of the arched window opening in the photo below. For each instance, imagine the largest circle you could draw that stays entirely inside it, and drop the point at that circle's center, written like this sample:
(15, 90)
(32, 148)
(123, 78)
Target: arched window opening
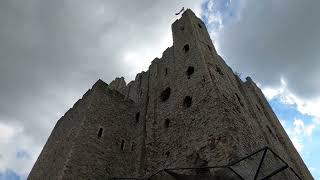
(187, 101)
(186, 48)
(165, 94)
(166, 72)
(122, 144)
(100, 132)
(199, 25)
(190, 71)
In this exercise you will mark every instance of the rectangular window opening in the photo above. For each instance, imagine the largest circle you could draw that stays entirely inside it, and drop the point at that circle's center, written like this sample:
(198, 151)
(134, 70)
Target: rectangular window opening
(122, 144)
(100, 132)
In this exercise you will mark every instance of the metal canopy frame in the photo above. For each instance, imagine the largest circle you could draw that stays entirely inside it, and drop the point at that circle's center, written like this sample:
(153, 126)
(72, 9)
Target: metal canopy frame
(229, 166)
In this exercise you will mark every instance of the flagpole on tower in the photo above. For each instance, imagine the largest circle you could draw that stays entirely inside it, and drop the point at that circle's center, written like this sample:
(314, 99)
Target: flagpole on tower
(180, 11)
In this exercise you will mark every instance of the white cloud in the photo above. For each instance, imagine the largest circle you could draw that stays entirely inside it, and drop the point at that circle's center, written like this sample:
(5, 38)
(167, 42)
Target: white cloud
(301, 129)
(51, 52)
(299, 132)
(272, 42)
(7, 133)
(312, 169)
(276, 43)
(297, 142)
(304, 106)
(17, 150)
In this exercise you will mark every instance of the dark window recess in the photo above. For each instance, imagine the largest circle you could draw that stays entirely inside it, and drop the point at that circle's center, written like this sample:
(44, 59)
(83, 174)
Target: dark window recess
(239, 99)
(270, 131)
(167, 153)
(165, 94)
(209, 47)
(201, 163)
(182, 28)
(133, 146)
(218, 69)
(166, 71)
(258, 108)
(190, 71)
(203, 79)
(167, 123)
(203, 170)
(199, 25)
(238, 109)
(100, 132)
(187, 101)
(122, 144)
(186, 48)
(224, 96)
(137, 116)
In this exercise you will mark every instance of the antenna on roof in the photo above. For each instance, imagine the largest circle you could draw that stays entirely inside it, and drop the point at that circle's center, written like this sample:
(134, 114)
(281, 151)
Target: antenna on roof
(180, 11)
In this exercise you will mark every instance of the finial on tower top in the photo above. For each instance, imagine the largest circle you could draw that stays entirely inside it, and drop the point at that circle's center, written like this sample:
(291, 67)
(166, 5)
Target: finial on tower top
(180, 11)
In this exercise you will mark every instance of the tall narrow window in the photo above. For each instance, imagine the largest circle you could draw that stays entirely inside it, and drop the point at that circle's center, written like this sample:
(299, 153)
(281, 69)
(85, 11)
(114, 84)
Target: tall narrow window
(167, 123)
(240, 102)
(122, 144)
(166, 72)
(100, 132)
(133, 146)
(190, 71)
(137, 116)
(271, 132)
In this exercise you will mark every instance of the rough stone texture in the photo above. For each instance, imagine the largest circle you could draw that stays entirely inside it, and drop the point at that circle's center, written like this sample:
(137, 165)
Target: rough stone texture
(188, 110)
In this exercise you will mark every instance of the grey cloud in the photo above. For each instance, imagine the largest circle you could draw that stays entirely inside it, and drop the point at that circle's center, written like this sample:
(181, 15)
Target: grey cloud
(274, 39)
(51, 52)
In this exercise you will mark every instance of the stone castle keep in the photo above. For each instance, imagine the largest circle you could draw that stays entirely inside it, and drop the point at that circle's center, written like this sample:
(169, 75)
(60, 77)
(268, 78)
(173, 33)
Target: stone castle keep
(188, 117)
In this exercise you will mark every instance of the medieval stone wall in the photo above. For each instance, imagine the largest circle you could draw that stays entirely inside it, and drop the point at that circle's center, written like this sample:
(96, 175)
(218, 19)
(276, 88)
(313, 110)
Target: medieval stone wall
(55, 153)
(116, 150)
(188, 110)
(276, 133)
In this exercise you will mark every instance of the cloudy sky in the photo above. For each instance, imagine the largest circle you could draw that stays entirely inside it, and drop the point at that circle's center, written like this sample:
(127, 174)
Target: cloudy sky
(51, 52)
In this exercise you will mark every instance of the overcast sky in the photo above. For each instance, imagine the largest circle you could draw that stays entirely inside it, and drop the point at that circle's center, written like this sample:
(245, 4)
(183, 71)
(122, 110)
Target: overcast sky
(51, 52)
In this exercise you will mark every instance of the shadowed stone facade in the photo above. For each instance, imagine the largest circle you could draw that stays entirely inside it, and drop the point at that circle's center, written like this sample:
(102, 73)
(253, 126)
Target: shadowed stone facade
(188, 110)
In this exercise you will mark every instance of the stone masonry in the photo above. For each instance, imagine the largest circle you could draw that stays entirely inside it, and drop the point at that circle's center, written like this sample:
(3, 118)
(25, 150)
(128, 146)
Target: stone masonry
(188, 110)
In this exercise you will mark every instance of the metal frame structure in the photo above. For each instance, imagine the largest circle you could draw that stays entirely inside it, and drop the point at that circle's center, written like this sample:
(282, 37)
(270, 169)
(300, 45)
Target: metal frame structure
(229, 166)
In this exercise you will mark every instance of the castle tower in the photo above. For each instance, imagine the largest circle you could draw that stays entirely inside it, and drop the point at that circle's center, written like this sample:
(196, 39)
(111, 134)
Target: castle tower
(188, 110)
